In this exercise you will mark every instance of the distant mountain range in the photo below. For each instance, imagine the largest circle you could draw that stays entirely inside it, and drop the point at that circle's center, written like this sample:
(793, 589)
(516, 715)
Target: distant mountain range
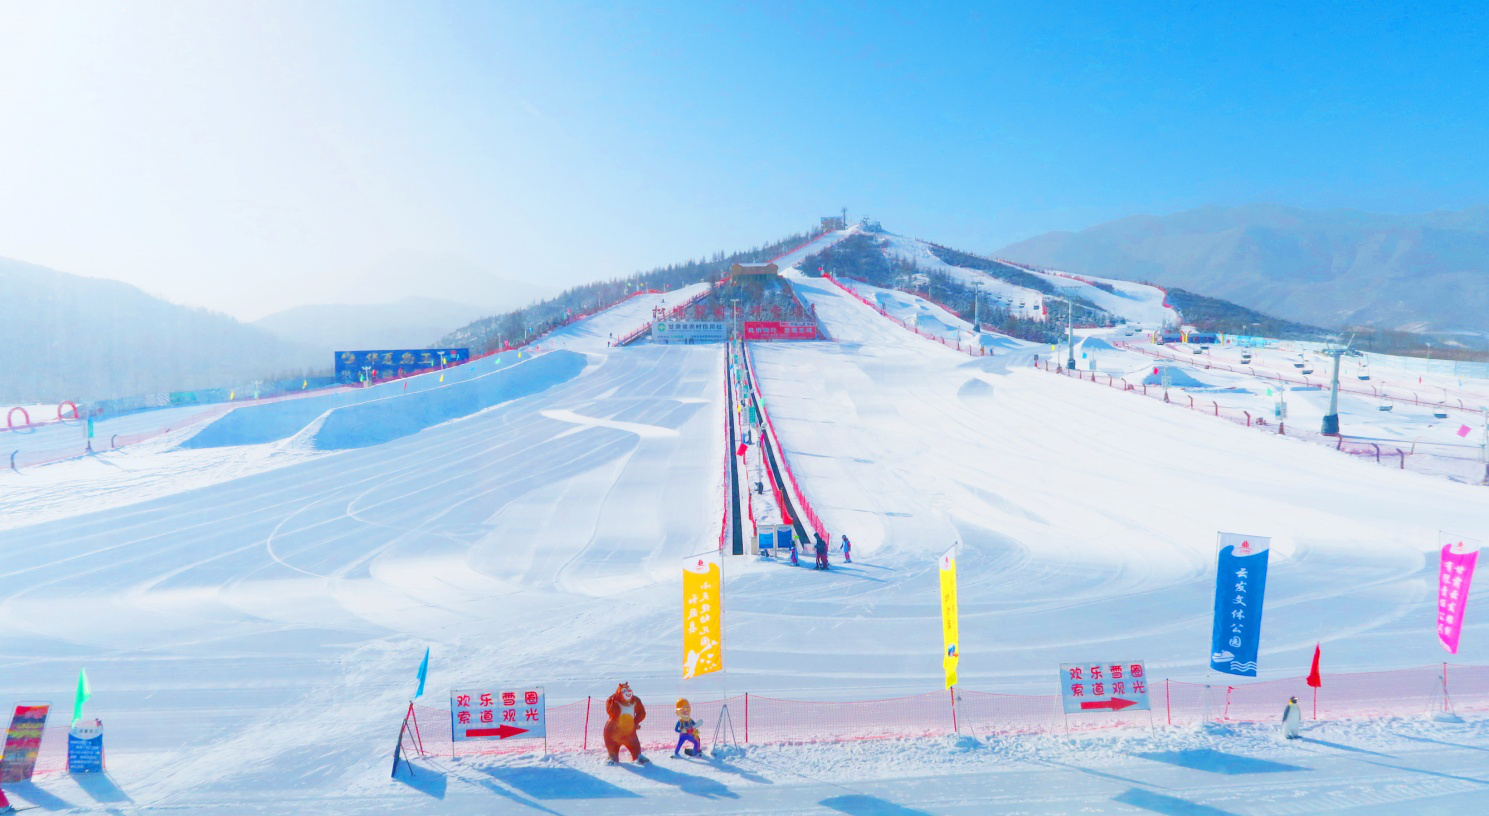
(1334, 268)
(68, 337)
(410, 323)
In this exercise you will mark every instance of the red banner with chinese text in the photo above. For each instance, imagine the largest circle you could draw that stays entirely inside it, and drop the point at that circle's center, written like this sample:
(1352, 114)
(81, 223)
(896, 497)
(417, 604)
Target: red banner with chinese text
(779, 330)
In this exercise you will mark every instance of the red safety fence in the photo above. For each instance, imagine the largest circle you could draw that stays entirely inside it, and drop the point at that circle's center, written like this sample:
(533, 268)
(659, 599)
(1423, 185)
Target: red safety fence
(1461, 462)
(676, 312)
(975, 351)
(757, 720)
(16, 460)
(730, 423)
(1377, 389)
(803, 507)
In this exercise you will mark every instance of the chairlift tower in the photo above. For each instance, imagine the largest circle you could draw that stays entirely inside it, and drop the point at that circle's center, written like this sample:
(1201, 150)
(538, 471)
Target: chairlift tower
(1070, 334)
(1331, 419)
(976, 303)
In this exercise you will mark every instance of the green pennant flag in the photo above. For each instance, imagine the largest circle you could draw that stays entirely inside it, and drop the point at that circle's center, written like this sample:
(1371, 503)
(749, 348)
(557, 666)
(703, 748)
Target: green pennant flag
(84, 692)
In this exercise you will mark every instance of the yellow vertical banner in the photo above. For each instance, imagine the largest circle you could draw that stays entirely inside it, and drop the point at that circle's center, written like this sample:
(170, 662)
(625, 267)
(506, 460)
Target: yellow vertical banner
(702, 616)
(953, 652)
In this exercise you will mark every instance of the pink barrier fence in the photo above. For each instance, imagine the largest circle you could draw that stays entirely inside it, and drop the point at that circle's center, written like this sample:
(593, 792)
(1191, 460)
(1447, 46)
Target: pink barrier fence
(804, 507)
(19, 459)
(1458, 461)
(677, 311)
(760, 720)
(977, 351)
(1376, 390)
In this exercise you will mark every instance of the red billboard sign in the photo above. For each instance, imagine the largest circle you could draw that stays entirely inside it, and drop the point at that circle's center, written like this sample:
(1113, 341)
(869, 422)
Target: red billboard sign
(779, 330)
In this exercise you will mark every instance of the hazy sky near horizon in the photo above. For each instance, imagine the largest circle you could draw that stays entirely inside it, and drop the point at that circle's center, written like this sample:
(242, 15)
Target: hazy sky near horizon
(250, 156)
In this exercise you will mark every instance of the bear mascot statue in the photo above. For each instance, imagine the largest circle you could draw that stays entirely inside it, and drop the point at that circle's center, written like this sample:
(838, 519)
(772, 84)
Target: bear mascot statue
(623, 715)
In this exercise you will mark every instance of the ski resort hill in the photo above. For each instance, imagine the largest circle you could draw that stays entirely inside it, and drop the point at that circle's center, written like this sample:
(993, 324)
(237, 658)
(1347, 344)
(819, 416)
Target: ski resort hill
(250, 593)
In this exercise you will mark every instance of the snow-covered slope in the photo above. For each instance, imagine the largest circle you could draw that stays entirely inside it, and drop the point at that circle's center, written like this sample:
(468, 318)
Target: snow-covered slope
(252, 639)
(1138, 303)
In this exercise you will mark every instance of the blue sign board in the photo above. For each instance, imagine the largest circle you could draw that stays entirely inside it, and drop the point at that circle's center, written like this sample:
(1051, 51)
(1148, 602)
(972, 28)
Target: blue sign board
(1240, 586)
(85, 747)
(385, 363)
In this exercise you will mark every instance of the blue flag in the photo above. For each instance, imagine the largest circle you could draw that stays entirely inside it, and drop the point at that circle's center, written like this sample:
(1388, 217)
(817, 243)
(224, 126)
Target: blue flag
(423, 673)
(1240, 586)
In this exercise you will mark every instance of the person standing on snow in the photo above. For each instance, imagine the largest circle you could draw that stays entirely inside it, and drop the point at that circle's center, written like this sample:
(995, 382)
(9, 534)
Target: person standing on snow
(847, 550)
(1292, 719)
(821, 547)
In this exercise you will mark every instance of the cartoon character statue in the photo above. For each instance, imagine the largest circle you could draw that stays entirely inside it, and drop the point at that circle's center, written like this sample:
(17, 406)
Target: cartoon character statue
(687, 729)
(624, 714)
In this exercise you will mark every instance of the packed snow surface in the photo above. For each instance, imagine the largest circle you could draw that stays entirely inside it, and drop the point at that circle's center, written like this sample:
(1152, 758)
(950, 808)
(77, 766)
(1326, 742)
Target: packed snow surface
(252, 635)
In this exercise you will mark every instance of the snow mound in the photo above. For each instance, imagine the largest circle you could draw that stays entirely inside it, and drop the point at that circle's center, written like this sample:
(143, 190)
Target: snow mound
(379, 421)
(1095, 344)
(274, 421)
(1178, 377)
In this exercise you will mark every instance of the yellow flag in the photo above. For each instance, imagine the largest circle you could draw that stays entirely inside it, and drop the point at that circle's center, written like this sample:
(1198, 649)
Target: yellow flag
(441, 377)
(949, 617)
(230, 395)
(702, 616)
(304, 385)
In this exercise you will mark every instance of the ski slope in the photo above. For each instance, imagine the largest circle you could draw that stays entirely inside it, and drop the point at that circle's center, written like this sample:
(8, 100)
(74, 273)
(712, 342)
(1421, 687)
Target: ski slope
(1136, 302)
(251, 615)
(1089, 516)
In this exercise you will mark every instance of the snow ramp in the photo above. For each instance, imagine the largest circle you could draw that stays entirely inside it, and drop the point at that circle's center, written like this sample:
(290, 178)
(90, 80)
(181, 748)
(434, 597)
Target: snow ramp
(383, 420)
(282, 419)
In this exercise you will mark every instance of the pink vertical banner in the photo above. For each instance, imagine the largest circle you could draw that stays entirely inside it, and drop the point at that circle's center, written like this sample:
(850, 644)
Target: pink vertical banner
(1453, 579)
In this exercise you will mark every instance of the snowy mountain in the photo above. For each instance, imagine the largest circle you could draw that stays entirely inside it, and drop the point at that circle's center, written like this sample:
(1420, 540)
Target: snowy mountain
(405, 274)
(1330, 268)
(69, 337)
(409, 323)
(251, 585)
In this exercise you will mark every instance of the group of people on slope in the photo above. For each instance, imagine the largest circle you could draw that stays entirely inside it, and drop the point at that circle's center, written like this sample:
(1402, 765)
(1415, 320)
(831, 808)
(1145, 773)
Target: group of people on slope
(819, 549)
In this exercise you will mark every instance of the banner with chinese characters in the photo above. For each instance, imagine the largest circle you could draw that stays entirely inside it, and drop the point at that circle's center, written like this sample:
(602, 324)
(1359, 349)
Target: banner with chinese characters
(779, 330)
(949, 635)
(23, 741)
(1240, 585)
(483, 714)
(1459, 555)
(702, 616)
(380, 364)
(1104, 686)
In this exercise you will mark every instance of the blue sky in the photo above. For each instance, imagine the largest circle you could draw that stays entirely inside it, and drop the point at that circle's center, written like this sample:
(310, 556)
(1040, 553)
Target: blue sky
(250, 156)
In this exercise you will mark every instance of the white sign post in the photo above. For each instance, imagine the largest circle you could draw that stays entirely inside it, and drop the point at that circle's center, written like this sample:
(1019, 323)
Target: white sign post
(484, 714)
(1104, 686)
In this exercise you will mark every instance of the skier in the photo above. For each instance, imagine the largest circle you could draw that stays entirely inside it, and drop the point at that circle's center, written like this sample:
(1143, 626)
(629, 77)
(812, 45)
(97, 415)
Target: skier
(1292, 719)
(794, 561)
(847, 550)
(821, 548)
(687, 730)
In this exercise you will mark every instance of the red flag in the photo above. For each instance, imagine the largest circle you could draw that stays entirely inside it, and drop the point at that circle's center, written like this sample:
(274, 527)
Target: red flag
(1315, 679)
(742, 448)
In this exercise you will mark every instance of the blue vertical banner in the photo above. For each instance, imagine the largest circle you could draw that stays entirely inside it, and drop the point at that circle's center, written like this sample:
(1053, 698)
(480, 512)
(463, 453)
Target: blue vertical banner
(1240, 586)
